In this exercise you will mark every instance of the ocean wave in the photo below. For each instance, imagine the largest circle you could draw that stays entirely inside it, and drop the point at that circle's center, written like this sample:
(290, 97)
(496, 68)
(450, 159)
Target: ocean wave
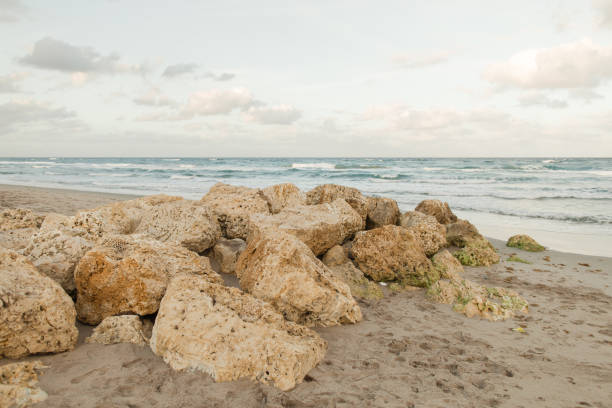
(186, 166)
(110, 174)
(180, 177)
(358, 166)
(171, 159)
(313, 166)
(40, 167)
(579, 219)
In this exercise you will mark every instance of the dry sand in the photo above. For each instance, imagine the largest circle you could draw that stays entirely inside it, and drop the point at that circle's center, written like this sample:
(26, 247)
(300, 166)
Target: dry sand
(407, 352)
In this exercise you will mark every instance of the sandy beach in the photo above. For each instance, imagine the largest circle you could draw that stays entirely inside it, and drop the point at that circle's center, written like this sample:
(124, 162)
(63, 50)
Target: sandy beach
(407, 351)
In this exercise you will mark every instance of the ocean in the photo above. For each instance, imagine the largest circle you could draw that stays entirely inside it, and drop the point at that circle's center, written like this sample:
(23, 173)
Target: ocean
(566, 203)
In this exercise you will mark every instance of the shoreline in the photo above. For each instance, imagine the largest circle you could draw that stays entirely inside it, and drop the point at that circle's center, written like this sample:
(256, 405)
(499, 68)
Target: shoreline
(68, 201)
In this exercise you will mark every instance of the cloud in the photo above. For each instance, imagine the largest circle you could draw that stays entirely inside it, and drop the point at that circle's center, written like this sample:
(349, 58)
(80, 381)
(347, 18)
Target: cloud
(52, 54)
(604, 9)
(273, 115)
(9, 83)
(581, 64)
(539, 99)
(172, 71)
(421, 60)
(153, 97)
(11, 10)
(585, 95)
(224, 76)
(18, 114)
(217, 102)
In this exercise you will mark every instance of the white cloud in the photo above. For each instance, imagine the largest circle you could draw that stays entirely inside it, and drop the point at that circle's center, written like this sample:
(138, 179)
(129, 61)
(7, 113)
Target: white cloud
(175, 70)
(52, 54)
(604, 9)
(224, 76)
(278, 114)
(585, 95)
(11, 10)
(79, 78)
(581, 64)
(421, 60)
(153, 97)
(218, 102)
(26, 113)
(9, 83)
(539, 99)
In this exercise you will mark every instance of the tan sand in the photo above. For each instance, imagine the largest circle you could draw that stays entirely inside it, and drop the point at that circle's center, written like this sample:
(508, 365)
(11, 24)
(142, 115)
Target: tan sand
(407, 352)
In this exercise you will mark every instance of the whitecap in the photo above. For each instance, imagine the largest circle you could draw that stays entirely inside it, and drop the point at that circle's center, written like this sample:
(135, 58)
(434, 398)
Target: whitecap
(178, 176)
(186, 166)
(309, 166)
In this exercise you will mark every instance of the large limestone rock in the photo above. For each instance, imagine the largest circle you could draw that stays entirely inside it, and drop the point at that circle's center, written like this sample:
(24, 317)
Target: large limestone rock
(447, 265)
(118, 329)
(188, 223)
(226, 253)
(461, 233)
(17, 218)
(341, 266)
(327, 193)
(229, 334)
(381, 211)
(319, 226)
(524, 242)
(280, 269)
(234, 205)
(129, 274)
(438, 209)
(475, 250)
(393, 253)
(280, 196)
(36, 315)
(431, 233)
(19, 384)
(17, 239)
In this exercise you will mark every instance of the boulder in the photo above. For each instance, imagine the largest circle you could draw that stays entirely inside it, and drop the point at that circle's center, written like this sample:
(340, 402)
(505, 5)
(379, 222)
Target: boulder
(17, 239)
(230, 335)
(327, 193)
(233, 206)
(462, 232)
(319, 226)
(431, 233)
(342, 267)
(524, 242)
(381, 211)
(280, 196)
(36, 315)
(19, 384)
(447, 265)
(17, 218)
(280, 269)
(392, 253)
(438, 209)
(118, 329)
(226, 253)
(129, 274)
(188, 223)
(477, 253)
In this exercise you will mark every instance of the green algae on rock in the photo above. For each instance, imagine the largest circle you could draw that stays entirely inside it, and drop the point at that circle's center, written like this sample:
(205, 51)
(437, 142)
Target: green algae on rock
(477, 253)
(524, 242)
(514, 258)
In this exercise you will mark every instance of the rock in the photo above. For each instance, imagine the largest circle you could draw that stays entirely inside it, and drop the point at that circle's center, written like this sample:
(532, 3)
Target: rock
(19, 384)
(381, 211)
(118, 329)
(281, 270)
(431, 233)
(319, 226)
(17, 239)
(17, 218)
(342, 267)
(472, 299)
(36, 315)
(280, 196)
(461, 233)
(477, 253)
(233, 206)
(393, 253)
(129, 274)
(226, 253)
(327, 193)
(438, 209)
(188, 223)
(447, 265)
(229, 334)
(524, 242)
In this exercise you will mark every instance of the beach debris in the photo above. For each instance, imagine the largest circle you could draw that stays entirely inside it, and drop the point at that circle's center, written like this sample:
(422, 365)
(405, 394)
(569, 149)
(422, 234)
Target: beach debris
(343, 268)
(319, 226)
(393, 253)
(431, 233)
(234, 205)
(226, 253)
(129, 273)
(441, 211)
(524, 242)
(281, 270)
(19, 384)
(447, 265)
(519, 330)
(515, 258)
(230, 335)
(118, 329)
(381, 211)
(36, 315)
(284, 195)
(327, 193)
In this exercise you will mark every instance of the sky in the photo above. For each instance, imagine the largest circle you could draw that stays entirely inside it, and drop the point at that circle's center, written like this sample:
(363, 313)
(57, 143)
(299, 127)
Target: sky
(319, 78)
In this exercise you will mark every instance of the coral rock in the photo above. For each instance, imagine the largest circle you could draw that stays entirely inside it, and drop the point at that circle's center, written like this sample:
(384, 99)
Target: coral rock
(17, 218)
(461, 233)
(226, 253)
(118, 329)
(393, 253)
(230, 335)
(524, 242)
(438, 209)
(280, 196)
(381, 211)
(327, 193)
(129, 274)
(19, 384)
(431, 233)
(477, 253)
(448, 266)
(342, 267)
(17, 239)
(36, 315)
(280, 269)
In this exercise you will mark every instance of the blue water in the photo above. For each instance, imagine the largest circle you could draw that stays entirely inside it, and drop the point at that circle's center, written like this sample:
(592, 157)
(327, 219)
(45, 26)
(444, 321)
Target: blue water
(557, 195)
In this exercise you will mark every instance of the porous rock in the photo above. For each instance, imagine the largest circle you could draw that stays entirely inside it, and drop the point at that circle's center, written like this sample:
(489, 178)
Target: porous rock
(438, 209)
(19, 384)
(319, 226)
(461, 233)
(118, 329)
(431, 233)
(17, 218)
(448, 266)
(281, 270)
(17, 239)
(524, 242)
(129, 274)
(327, 193)
(230, 335)
(284, 195)
(36, 315)
(477, 253)
(381, 211)
(342, 267)
(226, 253)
